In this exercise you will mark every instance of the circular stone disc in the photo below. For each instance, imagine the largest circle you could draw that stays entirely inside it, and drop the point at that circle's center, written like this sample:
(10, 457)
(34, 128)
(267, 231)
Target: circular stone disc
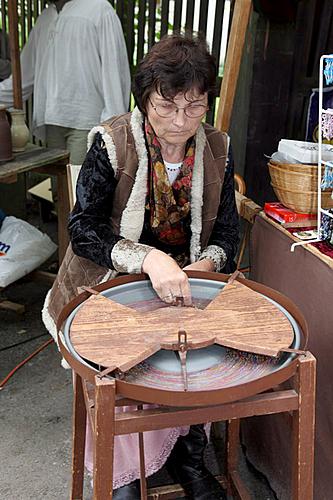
(214, 366)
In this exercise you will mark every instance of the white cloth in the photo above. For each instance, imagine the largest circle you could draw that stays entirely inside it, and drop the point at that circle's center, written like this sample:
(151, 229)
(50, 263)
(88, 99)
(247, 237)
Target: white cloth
(76, 63)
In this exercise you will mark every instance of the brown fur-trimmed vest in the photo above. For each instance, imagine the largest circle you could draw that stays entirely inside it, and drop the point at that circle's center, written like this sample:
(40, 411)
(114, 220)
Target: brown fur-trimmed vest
(123, 137)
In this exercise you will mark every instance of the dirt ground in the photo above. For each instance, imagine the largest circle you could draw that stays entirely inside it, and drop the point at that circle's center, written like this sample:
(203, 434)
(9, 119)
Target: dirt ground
(36, 410)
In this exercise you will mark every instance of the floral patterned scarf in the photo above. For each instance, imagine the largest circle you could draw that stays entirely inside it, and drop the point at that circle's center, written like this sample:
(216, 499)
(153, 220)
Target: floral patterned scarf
(169, 205)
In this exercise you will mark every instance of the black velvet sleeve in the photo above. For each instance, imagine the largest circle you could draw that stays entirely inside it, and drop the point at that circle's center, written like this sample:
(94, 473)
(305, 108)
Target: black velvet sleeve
(89, 226)
(225, 233)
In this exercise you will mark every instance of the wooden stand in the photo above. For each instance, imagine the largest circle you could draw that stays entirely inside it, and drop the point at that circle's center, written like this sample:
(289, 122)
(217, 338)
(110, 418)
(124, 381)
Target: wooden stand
(97, 396)
(98, 401)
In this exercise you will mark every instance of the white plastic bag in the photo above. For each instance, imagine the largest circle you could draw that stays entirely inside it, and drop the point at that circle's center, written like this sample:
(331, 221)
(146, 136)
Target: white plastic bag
(22, 248)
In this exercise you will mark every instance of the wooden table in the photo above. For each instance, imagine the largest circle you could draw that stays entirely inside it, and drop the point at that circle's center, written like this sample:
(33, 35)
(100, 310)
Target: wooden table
(306, 277)
(47, 161)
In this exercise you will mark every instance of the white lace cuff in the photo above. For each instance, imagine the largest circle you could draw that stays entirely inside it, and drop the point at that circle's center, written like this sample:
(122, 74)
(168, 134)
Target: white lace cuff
(128, 257)
(216, 254)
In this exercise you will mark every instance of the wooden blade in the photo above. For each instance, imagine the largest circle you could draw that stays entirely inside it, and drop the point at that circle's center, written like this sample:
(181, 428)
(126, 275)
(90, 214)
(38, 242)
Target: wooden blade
(105, 332)
(249, 322)
(114, 335)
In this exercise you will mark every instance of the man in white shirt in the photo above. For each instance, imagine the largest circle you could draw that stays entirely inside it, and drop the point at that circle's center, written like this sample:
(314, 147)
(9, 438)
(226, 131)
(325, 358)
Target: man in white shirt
(75, 62)
(5, 65)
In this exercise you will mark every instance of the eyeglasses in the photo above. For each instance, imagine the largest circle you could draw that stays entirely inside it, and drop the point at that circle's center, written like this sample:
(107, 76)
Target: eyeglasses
(168, 109)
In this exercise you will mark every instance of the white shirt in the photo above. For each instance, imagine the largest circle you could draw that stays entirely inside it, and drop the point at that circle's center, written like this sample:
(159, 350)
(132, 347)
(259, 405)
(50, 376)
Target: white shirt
(75, 62)
(173, 170)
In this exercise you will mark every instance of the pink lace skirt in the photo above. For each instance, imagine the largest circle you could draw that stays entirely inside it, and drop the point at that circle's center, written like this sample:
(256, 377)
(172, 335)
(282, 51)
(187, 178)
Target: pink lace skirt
(157, 447)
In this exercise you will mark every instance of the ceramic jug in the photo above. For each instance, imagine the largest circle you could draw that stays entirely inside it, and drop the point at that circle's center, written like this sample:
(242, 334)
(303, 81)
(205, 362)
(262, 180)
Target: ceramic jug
(6, 153)
(19, 130)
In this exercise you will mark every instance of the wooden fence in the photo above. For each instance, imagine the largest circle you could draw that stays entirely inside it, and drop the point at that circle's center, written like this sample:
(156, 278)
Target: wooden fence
(145, 21)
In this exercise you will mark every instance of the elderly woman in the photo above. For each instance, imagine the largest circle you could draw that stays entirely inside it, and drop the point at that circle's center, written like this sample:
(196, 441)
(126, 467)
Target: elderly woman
(156, 195)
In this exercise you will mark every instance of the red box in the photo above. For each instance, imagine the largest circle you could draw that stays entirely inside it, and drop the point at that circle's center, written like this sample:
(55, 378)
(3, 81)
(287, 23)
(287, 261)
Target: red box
(288, 217)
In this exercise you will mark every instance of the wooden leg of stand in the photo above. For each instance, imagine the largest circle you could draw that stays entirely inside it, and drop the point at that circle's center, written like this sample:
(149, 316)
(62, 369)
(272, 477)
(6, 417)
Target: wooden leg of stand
(143, 482)
(104, 438)
(236, 486)
(79, 436)
(303, 430)
(232, 441)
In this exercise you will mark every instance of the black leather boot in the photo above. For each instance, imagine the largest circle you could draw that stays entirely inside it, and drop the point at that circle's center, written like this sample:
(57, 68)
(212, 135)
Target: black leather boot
(128, 492)
(186, 466)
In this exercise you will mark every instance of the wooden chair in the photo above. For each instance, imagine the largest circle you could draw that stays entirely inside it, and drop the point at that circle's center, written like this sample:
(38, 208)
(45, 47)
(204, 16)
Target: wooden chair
(72, 175)
(240, 187)
(240, 190)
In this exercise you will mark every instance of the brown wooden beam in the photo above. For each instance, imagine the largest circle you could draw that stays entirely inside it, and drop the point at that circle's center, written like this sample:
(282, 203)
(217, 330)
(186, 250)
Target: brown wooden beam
(104, 438)
(161, 418)
(236, 42)
(79, 439)
(15, 54)
(303, 430)
(175, 491)
(7, 305)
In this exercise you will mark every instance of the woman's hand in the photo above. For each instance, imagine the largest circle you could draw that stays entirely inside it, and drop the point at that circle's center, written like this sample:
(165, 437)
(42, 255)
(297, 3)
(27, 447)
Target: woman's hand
(167, 278)
(201, 265)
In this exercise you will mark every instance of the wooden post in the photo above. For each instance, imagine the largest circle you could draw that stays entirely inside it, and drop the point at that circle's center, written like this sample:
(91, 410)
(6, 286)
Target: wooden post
(104, 437)
(143, 482)
(15, 54)
(236, 488)
(79, 438)
(236, 41)
(303, 430)
(232, 444)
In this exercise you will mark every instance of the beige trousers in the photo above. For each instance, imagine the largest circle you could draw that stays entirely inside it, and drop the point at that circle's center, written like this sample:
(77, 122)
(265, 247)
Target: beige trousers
(72, 139)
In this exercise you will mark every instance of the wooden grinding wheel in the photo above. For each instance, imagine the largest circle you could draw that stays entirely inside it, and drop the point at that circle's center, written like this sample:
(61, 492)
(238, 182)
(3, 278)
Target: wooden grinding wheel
(118, 337)
(235, 373)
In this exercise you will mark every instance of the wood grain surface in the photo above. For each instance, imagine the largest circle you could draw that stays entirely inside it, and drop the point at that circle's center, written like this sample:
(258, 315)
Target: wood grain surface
(117, 336)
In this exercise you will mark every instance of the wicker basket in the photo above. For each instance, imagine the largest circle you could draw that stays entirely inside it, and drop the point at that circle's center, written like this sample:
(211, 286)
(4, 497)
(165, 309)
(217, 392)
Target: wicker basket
(292, 180)
(302, 201)
(300, 168)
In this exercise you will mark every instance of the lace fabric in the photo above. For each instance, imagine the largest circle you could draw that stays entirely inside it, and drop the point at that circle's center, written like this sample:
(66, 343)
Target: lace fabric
(126, 452)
